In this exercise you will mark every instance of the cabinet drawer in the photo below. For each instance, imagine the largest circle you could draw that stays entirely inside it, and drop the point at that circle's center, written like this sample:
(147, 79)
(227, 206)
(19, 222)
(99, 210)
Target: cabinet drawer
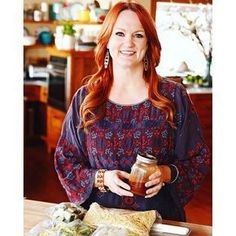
(55, 119)
(56, 122)
(35, 93)
(43, 96)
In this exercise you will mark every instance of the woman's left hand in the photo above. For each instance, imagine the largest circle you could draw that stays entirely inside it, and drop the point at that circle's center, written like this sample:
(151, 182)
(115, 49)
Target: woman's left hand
(156, 181)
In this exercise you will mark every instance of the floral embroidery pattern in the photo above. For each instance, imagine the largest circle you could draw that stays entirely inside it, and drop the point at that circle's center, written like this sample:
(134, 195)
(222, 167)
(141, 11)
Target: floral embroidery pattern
(114, 141)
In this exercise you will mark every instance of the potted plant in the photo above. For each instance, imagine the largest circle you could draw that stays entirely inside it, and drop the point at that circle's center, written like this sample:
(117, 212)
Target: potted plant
(68, 36)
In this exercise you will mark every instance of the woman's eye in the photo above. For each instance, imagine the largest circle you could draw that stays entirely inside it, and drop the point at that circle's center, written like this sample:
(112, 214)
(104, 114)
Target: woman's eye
(119, 34)
(139, 35)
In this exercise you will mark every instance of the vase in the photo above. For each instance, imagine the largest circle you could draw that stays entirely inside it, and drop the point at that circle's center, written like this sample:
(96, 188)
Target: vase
(68, 42)
(208, 77)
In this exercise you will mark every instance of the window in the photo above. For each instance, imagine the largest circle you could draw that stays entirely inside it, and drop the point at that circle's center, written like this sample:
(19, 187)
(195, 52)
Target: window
(184, 31)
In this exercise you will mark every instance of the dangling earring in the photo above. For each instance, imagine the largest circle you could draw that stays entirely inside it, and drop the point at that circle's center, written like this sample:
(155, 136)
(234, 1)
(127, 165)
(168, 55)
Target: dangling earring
(145, 62)
(106, 59)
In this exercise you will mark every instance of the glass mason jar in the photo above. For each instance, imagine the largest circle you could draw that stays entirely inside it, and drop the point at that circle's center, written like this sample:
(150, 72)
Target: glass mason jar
(144, 166)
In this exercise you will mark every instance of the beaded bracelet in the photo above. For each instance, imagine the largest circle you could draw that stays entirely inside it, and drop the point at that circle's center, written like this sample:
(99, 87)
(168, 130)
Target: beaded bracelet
(100, 180)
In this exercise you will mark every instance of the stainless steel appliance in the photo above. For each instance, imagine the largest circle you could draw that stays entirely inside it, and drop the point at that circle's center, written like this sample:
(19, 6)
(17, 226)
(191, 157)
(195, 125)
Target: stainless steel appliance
(59, 82)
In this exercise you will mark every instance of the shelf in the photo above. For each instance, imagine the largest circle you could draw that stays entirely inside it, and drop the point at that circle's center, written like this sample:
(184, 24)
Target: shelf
(36, 46)
(85, 54)
(62, 22)
(52, 50)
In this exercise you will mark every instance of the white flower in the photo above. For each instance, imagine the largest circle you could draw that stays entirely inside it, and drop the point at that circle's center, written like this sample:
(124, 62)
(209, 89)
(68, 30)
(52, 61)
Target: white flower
(196, 24)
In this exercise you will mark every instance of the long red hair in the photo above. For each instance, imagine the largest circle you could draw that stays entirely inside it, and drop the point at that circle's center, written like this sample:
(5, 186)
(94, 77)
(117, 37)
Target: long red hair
(99, 84)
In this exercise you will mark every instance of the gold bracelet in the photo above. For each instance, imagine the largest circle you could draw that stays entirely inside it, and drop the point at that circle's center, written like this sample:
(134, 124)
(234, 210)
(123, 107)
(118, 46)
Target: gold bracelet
(100, 180)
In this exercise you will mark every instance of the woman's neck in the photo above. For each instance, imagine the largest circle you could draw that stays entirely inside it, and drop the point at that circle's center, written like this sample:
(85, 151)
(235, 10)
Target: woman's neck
(127, 77)
(128, 86)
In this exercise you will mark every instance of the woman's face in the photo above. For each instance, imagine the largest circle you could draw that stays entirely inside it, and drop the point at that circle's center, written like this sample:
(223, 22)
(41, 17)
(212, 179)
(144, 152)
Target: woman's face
(128, 42)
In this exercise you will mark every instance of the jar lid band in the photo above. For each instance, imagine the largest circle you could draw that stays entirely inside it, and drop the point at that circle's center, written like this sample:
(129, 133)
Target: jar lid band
(146, 158)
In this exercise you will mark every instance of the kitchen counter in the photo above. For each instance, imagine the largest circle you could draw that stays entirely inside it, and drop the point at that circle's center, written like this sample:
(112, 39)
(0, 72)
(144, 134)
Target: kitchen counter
(36, 83)
(35, 212)
(199, 90)
(191, 90)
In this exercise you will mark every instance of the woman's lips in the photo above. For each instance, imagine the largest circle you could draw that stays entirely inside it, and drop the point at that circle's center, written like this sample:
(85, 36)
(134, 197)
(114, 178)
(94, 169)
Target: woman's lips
(127, 52)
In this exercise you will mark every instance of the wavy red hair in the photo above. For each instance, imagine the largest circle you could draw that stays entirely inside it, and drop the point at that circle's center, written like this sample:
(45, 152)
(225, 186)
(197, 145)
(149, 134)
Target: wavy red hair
(99, 84)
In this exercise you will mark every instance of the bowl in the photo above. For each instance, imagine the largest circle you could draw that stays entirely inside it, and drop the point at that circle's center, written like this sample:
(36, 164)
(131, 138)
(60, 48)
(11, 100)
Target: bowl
(29, 40)
(45, 38)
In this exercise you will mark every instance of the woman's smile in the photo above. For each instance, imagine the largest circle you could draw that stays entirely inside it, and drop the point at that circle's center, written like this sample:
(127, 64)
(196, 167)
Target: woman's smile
(127, 52)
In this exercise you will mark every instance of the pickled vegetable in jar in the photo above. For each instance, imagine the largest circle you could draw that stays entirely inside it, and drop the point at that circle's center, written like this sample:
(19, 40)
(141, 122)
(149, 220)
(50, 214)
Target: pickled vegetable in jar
(144, 166)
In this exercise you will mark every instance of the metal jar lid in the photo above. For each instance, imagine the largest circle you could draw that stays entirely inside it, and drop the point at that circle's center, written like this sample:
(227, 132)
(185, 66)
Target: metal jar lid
(146, 158)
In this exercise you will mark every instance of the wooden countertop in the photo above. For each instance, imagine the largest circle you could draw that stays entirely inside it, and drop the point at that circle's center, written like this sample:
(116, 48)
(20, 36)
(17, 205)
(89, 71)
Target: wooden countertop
(35, 212)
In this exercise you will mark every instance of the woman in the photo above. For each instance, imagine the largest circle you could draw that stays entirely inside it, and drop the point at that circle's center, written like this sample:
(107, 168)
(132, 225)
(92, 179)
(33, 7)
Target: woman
(124, 109)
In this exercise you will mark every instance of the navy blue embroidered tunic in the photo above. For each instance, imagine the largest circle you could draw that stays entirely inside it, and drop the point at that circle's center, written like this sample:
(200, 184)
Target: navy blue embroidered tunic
(113, 143)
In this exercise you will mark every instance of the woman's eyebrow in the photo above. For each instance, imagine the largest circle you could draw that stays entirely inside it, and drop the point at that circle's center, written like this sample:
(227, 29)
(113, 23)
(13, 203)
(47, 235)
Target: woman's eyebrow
(118, 28)
(122, 29)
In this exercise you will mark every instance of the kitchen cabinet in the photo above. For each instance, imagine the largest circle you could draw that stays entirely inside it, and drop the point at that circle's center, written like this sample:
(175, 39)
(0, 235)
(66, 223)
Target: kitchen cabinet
(203, 105)
(81, 65)
(35, 112)
(35, 93)
(55, 119)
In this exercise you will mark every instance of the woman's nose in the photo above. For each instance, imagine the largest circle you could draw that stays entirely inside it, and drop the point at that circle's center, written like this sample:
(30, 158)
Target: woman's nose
(129, 40)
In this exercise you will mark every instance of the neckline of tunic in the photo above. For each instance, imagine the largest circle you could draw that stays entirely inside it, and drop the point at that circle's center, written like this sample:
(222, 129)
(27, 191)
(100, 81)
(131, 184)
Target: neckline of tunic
(128, 105)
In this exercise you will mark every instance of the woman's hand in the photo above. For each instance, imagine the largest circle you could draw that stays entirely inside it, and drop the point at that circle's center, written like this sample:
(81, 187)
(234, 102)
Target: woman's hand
(113, 180)
(157, 180)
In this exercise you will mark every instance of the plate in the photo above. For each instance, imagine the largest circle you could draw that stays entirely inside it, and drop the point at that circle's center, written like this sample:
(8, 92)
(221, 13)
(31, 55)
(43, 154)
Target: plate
(74, 9)
(169, 230)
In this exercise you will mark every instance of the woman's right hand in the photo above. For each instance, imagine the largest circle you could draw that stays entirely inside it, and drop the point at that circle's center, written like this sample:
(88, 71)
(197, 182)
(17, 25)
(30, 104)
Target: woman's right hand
(113, 180)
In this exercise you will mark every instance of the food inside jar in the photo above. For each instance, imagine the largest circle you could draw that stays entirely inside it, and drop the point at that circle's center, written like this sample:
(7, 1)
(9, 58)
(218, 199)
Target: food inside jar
(138, 188)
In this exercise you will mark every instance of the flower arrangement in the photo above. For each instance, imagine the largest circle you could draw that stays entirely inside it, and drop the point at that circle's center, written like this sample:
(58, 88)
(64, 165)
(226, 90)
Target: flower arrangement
(195, 24)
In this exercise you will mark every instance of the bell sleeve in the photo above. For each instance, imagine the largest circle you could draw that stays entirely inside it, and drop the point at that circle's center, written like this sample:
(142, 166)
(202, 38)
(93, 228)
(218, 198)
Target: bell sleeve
(71, 159)
(191, 154)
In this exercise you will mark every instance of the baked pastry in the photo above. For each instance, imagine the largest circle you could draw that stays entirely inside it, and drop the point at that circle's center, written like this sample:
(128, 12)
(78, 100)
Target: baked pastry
(139, 222)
